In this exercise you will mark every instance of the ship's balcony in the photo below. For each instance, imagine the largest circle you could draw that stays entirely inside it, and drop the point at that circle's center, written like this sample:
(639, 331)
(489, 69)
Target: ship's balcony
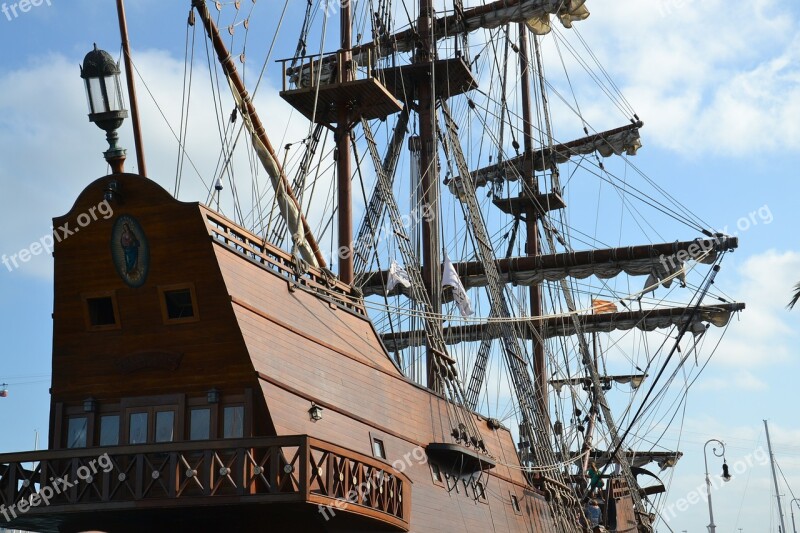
(233, 484)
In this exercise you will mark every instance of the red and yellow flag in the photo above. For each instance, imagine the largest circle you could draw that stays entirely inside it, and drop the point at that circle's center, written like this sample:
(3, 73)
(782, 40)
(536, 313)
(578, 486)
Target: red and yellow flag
(603, 306)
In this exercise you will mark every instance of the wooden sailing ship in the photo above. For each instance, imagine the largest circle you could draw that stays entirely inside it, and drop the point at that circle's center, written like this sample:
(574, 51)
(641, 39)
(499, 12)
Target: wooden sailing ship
(205, 379)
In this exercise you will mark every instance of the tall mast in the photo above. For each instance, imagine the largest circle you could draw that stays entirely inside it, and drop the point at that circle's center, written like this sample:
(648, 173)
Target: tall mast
(531, 189)
(126, 57)
(343, 170)
(774, 478)
(429, 182)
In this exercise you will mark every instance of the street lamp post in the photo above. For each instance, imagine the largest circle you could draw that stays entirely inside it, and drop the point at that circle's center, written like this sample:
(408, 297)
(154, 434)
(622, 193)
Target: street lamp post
(712, 528)
(794, 527)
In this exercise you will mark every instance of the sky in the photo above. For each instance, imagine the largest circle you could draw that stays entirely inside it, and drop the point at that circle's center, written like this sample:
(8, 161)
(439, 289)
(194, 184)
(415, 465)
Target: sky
(716, 83)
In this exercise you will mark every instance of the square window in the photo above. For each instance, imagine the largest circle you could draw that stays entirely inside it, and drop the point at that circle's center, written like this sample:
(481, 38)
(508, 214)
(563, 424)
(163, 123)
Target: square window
(109, 430)
(76, 432)
(179, 304)
(377, 448)
(233, 422)
(165, 426)
(101, 311)
(200, 424)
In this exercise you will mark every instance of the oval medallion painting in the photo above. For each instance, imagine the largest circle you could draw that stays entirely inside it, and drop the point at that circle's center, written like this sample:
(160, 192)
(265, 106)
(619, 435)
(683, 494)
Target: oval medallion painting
(130, 251)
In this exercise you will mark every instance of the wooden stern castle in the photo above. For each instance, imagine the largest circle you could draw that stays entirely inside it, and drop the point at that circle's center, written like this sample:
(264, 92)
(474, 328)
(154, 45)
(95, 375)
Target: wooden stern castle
(201, 381)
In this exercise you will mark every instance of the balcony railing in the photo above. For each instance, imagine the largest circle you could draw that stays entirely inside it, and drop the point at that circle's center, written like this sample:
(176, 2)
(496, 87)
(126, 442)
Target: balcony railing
(309, 475)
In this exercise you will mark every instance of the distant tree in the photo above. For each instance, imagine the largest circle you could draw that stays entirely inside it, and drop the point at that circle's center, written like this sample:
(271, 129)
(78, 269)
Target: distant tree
(796, 296)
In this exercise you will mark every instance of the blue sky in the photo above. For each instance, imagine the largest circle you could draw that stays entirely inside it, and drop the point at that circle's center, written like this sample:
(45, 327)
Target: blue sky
(716, 83)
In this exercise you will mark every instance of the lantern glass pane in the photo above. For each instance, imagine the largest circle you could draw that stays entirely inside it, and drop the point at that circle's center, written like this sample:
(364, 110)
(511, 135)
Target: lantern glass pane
(96, 100)
(114, 93)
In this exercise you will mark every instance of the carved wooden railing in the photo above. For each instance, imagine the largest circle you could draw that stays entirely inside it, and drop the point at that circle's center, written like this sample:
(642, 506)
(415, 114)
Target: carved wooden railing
(266, 470)
(276, 260)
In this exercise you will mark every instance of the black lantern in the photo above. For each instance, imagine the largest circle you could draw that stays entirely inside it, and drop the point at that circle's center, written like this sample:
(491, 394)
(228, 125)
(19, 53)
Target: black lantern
(315, 412)
(89, 405)
(213, 395)
(104, 95)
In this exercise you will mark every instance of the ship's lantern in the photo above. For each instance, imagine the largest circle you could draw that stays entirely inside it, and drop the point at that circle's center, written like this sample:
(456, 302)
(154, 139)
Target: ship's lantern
(213, 396)
(100, 74)
(315, 412)
(89, 405)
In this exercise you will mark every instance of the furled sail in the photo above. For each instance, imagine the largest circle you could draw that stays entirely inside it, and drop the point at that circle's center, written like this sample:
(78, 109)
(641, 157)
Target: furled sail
(662, 263)
(560, 326)
(612, 142)
(535, 13)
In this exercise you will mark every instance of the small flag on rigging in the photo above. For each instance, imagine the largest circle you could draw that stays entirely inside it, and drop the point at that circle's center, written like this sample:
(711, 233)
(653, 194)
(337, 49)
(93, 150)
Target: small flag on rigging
(450, 279)
(603, 306)
(397, 276)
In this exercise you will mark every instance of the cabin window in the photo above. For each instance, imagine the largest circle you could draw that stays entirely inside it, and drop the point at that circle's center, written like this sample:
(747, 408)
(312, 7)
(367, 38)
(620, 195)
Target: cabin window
(200, 424)
(137, 429)
(233, 422)
(515, 504)
(165, 426)
(101, 311)
(178, 303)
(378, 449)
(76, 432)
(109, 430)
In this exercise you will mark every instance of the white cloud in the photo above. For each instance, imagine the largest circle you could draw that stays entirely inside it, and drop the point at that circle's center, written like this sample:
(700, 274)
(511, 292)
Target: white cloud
(704, 75)
(49, 151)
(764, 331)
(739, 381)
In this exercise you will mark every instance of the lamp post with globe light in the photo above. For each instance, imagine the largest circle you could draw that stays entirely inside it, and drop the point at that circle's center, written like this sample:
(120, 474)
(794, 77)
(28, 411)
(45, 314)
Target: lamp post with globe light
(712, 528)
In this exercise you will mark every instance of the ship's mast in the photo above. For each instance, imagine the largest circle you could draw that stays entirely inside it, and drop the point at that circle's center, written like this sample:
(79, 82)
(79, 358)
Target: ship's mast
(343, 171)
(126, 57)
(429, 182)
(774, 477)
(531, 189)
